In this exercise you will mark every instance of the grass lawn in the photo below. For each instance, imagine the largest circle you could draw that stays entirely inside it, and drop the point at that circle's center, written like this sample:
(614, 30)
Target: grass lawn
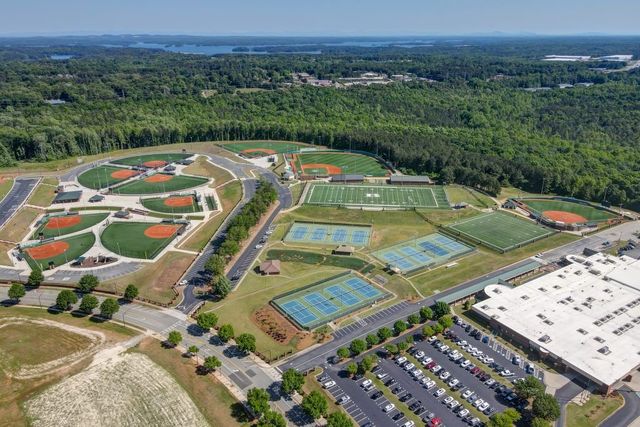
(164, 204)
(4, 256)
(202, 167)
(26, 345)
(86, 221)
(315, 163)
(154, 280)
(5, 186)
(229, 196)
(101, 177)
(175, 183)
(296, 192)
(263, 148)
(593, 412)
(42, 196)
(129, 239)
(17, 228)
(78, 245)
(142, 158)
(255, 291)
(482, 262)
(509, 192)
(585, 211)
(212, 398)
(459, 194)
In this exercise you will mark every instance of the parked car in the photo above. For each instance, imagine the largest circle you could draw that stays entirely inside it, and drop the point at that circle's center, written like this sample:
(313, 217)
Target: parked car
(463, 413)
(378, 394)
(344, 399)
(366, 383)
(516, 360)
(397, 416)
(390, 407)
(329, 384)
(466, 394)
(439, 392)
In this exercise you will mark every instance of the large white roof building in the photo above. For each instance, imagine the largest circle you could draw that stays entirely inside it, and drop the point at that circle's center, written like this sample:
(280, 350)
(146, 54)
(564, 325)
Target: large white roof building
(586, 314)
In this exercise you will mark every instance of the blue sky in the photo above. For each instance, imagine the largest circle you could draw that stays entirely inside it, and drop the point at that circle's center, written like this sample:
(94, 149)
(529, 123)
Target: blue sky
(318, 17)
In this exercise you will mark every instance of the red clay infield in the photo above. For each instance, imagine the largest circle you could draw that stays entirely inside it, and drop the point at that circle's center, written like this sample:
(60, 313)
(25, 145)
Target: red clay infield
(161, 231)
(158, 178)
(331, 169)
(124, 174)
(154, 163)
(266, 151)
(48, 250)
(566, 217)
(179, 201)
(63, 221)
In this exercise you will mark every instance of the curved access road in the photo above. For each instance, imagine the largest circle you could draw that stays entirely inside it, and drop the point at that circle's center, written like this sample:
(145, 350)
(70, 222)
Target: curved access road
(16, 197)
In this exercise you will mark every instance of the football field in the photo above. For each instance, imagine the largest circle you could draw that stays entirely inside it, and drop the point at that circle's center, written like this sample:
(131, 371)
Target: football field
(384, 196)
(500, 231)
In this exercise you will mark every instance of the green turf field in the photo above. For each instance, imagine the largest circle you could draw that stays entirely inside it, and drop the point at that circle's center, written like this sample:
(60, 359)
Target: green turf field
(78, 245)
(586, 211)
(86, 221)
(500, 231)
(377, 195)
(177, 183)
(100, 177)
(140, 159)
(128, 239)
(158, 204)
(261, 148)
(346, 163)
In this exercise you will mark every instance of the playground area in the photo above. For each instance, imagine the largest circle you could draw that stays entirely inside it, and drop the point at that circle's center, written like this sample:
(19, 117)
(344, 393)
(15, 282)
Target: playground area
(382, 196)
(57, 252)
(326, 163)
(328, 234)
(173, 204)
(500, 231)
(423, 252)
(143, 240)
(322, 302)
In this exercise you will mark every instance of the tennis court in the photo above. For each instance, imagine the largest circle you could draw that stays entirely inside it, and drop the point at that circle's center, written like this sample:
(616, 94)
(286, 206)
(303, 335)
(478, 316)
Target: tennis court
(500, 231)
(384, 196)
(328, 234)
(424, 252)
(322, 302)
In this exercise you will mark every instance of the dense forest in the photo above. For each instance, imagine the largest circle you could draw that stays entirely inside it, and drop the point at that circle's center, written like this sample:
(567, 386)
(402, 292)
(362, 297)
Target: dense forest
(474, 125)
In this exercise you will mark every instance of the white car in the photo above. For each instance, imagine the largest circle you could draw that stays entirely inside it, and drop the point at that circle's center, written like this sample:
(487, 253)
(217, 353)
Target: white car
(463, 413)
(454, 382)
(483, 407)
(453, 404)
(478, 402)
(456, 357)
(409, 366)
(507, 373)
(439, 392)
(390, 407)
(429, 384)
(465, 363)
(416, 372)
(329, 384)
(426, 361)
(475, 421)
(401, 360)
(445, 375)
(366, 383)
(259, 246)
(447, 400)
(408, 424)
(466, 394)
(436, 369)
(444, 348)
(382, 375)
(344, 399)
(420, 354)
(490, 382)
(463, 344)
(432, 339)
(183, 282)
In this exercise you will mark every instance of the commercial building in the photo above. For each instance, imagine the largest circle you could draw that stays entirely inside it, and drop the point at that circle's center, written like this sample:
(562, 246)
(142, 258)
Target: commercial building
(584, 317)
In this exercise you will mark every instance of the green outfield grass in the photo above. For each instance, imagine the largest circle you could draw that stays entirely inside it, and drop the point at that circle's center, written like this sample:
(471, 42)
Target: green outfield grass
(78, 245)
(500, 231)
(128, 239)
(86, 221)
(100, 177)
(176, 183)
(377, 195)
(310, 163)
(159, 204)
(586, 211)
(262, 148)
(142, 158)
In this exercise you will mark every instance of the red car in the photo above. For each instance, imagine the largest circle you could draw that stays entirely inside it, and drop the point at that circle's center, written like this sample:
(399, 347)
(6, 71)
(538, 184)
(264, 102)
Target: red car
(430, 365)
(475, 370)
(435, 422)
(480, 373)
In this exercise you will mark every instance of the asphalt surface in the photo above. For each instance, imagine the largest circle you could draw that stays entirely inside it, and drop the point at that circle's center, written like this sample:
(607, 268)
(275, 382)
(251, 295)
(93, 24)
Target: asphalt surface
(16, 197)
(564, 395)
(628, 413)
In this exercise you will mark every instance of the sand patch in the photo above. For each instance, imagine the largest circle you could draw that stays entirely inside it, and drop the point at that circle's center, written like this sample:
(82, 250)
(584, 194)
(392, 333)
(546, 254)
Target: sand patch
(154, 163)
(179, 201)
(265, 151)
(124, 174)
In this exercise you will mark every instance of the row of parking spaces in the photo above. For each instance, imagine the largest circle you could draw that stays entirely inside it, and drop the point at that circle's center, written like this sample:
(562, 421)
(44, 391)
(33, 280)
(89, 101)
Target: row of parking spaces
(490, 346)
(376, 317)
(345, 400)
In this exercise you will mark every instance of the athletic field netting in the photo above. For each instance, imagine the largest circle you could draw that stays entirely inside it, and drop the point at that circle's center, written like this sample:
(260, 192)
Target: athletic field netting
(553, 209)
(424, 252)
(500, 231)
(384, 196)
(328, 234)
(325, 301)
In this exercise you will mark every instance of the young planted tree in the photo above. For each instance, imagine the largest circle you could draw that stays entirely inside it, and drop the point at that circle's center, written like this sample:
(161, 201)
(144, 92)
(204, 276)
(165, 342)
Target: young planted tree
(413, 319)
(66, 299)
(292, 380)
(446, 322)
(258, 401)
(426, 314)
(357, 346)
(399, 327)
(131, 292)
(384, 333)
(221, 286)
(193, 351)
(315, 405)
(88, 303)
(272, 419)
(35, 278)
(174, 338)
(372, 340)
(338, 419)
(441, 309)
(246, 342)
(427, 331)
(109, 307)
(88, 283)
(211, 363)
(225, 333)
(352, 369)
(343, 352)
(17, 291)
(207, 320)
(391, 348)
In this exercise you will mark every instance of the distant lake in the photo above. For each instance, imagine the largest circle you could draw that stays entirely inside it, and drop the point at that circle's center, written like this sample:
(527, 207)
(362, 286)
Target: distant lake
(60, 57)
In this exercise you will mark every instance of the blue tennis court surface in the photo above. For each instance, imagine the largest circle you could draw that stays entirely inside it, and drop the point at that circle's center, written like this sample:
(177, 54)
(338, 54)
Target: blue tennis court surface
(424, 252)
(325, 301)
(329, 234)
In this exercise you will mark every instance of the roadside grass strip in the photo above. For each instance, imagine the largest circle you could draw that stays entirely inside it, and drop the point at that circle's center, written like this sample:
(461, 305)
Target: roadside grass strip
(328, 234)
(322, 302)
(160, 183)
(145, 159)
(59, 251)
(105, 176)
(423, 252)
(500, 231)
(338, 162)
(383, 196)
(141, 240)
(55, 226)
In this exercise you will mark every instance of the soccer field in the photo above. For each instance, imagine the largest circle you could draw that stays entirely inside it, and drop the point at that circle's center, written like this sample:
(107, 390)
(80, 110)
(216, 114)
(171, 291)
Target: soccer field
(377, 195)
(337, 162)
(500, 231)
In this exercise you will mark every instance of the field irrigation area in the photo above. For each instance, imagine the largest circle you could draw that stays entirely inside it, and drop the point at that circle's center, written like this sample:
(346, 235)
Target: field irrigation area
(173, 204)
(160, 183)
(59, 251)
(105, 176)
(382, 196)
(325, 163)
(566, 211)
(261, 148)
(500, 231)
(56, 226)
(142, 240)
(151, 160)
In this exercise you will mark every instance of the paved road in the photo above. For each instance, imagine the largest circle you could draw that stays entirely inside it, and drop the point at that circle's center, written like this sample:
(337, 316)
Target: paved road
(564, 395)
(16, 197)
(628, 413)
